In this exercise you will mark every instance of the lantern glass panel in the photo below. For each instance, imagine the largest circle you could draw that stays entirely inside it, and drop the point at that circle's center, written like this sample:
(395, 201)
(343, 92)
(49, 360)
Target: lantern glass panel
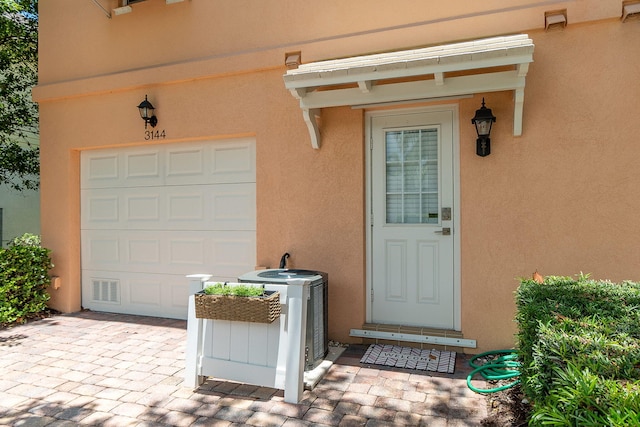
(483, 127)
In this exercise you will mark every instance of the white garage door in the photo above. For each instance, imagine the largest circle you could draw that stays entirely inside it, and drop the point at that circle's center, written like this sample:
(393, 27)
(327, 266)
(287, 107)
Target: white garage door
(153, 214)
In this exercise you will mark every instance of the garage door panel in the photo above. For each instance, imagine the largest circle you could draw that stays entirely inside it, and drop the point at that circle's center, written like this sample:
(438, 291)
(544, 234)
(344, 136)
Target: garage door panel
(143, 251)
(101, 250)
(146, 292)
(233, 207)
(187, 252)
(186, 163)
(144, 165)
(105, 249)
(107, 208)
(221, 162)
(226, 253)
(180, 164)
(141, 167)
(161, 252)
(152, 215)
(187, 206)
(144, 208)
(118, 168)
(233, 162)
(135, 293)
(102, 209)
(203, 207)
(100, 169)
(231, 253)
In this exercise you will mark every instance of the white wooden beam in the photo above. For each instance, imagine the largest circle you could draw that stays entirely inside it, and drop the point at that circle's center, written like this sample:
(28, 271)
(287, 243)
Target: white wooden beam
(312, 102)
(462, 85)
(518, 111)
(338, 77)
(365, 86)
(523, 69)
(311, 117)
(298, 92)
(439, 78)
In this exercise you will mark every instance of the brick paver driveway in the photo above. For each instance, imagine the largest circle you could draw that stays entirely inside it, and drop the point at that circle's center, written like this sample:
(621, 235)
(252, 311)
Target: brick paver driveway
(102, 369)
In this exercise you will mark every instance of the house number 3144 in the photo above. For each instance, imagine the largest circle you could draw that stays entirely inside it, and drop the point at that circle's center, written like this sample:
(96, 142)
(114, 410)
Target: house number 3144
(154, 134)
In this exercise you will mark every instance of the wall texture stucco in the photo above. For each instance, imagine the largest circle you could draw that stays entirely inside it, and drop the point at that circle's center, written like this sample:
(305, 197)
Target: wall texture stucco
(560, 198)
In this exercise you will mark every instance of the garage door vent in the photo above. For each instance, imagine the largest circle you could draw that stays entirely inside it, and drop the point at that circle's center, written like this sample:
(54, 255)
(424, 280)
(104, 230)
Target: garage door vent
(106, 291)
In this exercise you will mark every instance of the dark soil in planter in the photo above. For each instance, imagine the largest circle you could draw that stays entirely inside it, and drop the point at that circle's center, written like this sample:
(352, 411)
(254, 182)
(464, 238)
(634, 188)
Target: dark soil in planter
(507, 409)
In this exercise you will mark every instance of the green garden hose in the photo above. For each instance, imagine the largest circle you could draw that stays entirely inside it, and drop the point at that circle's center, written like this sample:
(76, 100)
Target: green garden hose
(501, 365)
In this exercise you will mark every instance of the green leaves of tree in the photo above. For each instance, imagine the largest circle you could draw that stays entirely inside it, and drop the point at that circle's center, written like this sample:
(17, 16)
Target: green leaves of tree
(19, 165)
(19, 156)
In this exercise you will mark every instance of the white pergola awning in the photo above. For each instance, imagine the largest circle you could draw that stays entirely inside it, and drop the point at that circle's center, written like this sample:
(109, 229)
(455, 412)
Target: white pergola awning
(488, 65)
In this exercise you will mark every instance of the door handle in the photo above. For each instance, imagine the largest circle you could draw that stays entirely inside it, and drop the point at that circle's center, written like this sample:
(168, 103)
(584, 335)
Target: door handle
(446, 231)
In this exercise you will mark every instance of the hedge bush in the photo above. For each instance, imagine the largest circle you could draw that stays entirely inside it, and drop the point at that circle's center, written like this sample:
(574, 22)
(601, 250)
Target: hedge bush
(579, 342)
(24, 278)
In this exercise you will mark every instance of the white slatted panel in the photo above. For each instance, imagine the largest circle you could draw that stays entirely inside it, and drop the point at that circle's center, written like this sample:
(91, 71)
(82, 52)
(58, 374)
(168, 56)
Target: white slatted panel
(246, 351)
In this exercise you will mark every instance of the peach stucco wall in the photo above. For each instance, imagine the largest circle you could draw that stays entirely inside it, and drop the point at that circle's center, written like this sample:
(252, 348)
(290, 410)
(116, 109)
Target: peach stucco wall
(560, 199)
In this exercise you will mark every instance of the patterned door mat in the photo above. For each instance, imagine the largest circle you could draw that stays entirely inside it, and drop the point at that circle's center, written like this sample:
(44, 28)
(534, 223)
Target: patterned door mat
(410, 358)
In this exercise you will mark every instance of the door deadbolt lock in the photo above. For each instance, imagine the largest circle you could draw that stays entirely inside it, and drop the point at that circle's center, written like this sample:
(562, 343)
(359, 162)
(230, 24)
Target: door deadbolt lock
(446, 231)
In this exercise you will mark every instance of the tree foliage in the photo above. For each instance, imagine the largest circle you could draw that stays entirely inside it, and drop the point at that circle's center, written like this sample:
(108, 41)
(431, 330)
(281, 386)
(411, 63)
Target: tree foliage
(19, 157)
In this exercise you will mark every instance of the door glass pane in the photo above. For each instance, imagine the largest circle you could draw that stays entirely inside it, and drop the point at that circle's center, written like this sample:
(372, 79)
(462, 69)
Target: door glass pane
(412, 176)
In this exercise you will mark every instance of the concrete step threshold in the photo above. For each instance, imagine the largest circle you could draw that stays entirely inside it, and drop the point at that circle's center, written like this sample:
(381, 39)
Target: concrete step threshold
(454, 341)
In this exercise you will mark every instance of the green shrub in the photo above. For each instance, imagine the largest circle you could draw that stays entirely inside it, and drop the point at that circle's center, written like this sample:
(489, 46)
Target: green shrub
(579, 342)
(24, 277)
(578, 397)
(26, 240)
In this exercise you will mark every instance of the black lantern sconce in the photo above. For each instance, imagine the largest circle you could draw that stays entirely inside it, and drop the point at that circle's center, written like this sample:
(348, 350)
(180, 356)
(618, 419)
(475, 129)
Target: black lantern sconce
(146, 112)
(483, 120)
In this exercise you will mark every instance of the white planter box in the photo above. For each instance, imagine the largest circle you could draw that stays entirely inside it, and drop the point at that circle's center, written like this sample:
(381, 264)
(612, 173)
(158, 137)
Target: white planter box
(268, 355)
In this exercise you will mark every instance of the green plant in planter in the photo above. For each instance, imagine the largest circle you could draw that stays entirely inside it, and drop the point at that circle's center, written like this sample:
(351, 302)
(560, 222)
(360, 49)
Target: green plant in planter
(240, 290)
(227, 302)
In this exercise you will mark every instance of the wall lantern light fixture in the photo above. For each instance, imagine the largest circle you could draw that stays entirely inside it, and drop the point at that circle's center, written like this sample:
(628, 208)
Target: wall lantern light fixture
(483, 120)
(146, 112)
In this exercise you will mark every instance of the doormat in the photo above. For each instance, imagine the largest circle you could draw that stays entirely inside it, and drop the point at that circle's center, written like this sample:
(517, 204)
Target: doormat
(410, 358)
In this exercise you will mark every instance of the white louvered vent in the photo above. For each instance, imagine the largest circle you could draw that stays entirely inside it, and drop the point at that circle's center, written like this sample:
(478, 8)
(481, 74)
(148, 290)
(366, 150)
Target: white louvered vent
(106, 291)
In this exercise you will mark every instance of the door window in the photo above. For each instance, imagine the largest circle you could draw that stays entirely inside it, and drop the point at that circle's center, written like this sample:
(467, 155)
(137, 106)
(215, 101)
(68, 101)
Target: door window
(412, 195)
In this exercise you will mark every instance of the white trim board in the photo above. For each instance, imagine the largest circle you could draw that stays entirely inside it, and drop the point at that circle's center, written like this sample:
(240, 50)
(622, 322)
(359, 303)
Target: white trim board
(424, 339)
(456, 203)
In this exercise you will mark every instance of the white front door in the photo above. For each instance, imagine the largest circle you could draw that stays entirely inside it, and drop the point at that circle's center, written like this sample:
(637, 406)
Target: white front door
(412, 208)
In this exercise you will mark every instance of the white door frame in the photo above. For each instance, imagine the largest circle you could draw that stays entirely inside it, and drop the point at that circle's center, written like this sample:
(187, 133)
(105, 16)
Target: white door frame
(456, 201)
